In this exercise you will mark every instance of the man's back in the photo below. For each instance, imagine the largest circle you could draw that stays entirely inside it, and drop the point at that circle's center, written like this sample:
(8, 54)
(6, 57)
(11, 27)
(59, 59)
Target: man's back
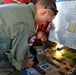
(16, 27)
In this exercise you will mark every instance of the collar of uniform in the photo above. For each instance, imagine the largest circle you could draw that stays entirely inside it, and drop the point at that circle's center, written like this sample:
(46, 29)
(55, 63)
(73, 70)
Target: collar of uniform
(32, 7)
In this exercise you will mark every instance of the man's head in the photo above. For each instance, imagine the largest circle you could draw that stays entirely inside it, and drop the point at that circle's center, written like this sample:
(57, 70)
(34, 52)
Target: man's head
(45, 11)
(42, 35)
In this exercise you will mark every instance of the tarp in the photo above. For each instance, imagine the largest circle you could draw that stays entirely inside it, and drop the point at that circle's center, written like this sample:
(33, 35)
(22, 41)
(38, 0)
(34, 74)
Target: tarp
(65, 24)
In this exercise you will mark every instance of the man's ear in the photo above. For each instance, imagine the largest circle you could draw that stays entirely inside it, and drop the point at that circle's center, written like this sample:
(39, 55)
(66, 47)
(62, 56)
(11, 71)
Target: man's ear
(44, 11)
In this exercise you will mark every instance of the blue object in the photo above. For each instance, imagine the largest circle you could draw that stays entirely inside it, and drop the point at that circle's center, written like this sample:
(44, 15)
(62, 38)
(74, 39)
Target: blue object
(25, 72)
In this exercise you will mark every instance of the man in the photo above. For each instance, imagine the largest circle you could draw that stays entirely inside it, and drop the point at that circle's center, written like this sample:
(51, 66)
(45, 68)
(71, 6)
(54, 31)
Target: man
(17, 26)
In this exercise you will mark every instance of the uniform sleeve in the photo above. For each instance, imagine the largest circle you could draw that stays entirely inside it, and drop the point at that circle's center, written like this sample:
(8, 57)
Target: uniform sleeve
(20, 48)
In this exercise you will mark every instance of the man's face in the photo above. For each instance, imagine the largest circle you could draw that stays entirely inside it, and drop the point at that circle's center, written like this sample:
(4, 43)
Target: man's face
(41, 35)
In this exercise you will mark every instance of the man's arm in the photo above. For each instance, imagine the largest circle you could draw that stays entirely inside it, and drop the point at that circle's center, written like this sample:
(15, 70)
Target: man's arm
(20, 48)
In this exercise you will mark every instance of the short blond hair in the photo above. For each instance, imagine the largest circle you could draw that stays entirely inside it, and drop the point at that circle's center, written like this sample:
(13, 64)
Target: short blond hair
(49, 4)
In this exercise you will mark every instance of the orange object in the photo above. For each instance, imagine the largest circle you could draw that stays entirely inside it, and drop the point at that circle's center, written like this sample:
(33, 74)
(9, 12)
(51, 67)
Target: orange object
(8, 1)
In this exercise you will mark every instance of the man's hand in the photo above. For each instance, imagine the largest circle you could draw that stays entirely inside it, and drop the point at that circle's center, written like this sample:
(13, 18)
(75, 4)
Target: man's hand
(33, 62)
(29, 63)
(47, 52)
